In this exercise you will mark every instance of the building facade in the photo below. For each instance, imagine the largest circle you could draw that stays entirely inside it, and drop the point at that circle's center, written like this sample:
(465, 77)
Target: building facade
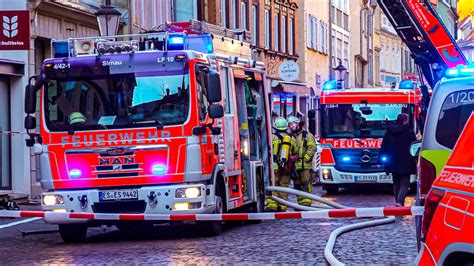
(340, 37)
(14, 73)
(314, 51)
(390, 54)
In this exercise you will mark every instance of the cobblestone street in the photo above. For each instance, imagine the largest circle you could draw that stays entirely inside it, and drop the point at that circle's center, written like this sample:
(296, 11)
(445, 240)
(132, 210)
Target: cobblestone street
(284, 241)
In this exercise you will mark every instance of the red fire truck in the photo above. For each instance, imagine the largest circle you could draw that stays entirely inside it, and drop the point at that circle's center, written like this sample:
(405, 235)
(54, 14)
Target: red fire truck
(155, 123)
(352, 123)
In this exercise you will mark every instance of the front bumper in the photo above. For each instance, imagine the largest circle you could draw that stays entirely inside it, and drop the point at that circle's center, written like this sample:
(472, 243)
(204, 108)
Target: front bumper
(343, 178)
(163, 202)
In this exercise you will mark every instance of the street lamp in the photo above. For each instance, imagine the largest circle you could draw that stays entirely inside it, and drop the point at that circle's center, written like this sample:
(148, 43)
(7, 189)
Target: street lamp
(108, 18)
(342, 72)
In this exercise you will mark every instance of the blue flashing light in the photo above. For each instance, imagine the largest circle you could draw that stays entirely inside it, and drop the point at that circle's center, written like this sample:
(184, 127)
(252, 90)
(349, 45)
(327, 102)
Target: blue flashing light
(330, 85)
(176, 40)
(159, 169)
(384, 158)
(407, 85)
(452, 72)
(75, 173)
(346, 158)
(460, 71)
(61, 49)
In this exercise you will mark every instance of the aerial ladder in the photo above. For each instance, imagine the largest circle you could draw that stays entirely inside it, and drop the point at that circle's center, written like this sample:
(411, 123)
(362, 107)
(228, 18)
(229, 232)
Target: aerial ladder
(421, 29)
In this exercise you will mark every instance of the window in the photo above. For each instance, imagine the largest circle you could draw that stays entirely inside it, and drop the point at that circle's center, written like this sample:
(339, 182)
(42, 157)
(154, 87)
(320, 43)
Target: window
(314, 33)
(267, 29)
(201, 80)
(455, 112)
(382, 58)
(243, 12)
(254, 24)
(233, 12)
(184, 10)
(291, 37)
(276, 46)
(283, 34)
(394, 62)
(142, 14)
(224, 13)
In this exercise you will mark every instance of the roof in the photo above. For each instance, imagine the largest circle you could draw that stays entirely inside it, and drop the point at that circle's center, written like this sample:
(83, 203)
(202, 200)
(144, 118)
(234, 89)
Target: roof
(371, 95)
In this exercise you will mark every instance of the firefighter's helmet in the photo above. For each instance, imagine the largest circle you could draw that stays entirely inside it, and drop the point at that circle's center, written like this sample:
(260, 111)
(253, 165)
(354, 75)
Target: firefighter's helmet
(76, 118)
(293, 119)
(280, 124)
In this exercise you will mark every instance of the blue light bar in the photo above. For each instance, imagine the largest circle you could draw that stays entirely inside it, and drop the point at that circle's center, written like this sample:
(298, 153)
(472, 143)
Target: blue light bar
(460, 71)
(176, 40)
(346, 158)
(407, 85)
(330, 85)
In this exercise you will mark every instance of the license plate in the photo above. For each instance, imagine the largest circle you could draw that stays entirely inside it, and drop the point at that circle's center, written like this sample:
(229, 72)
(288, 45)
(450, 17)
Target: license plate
(118, 194)
(368, 178)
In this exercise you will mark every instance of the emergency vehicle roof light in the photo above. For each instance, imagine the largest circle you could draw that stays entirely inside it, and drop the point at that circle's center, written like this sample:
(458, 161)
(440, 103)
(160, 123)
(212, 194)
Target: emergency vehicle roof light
(60, 48)
(460, 71)
(407, 85)
(330, 85)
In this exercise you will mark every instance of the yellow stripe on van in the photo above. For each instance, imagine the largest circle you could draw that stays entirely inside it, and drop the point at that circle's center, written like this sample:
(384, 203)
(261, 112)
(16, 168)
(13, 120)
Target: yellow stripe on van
(437, 157)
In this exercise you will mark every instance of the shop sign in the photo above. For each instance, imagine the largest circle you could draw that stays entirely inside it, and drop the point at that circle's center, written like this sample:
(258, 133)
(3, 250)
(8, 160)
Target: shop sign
(289, 71)
(15, 30)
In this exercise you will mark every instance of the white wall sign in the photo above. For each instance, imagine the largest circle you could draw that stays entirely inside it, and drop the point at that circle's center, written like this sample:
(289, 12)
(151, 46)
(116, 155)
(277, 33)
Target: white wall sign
(289, 71)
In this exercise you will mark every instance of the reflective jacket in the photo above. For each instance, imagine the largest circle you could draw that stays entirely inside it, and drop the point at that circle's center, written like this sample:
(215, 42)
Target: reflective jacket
(306, 148)
(276, 141)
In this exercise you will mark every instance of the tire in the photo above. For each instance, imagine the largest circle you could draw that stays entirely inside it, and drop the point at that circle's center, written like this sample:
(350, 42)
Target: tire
(331, 189)
(73, 233)
(213, 228)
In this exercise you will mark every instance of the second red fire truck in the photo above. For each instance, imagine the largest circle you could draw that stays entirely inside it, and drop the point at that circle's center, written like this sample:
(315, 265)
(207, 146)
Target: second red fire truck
(351, 124)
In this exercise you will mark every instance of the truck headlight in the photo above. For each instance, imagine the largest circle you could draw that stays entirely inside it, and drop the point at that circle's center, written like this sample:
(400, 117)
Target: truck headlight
(190, 192)
(50, 200)
(327, 175)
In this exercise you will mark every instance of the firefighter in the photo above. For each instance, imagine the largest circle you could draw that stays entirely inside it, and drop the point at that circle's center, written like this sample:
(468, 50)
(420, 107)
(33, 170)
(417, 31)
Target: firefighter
(283, 146)
(306, 148)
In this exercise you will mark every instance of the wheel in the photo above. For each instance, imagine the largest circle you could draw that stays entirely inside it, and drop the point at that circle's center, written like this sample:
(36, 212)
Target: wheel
(213, 228)
(73, 233)
(331, 189)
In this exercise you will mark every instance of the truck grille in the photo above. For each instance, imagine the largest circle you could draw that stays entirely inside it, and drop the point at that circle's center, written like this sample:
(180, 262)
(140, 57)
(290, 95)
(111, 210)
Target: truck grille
(357, 160)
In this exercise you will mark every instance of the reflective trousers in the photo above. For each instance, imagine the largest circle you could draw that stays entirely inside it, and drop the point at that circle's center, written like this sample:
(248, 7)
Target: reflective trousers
(303, 183)
(281, 180)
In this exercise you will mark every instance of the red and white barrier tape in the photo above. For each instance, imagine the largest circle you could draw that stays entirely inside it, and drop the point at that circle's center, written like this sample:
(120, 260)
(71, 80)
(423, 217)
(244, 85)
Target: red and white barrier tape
(337, 213)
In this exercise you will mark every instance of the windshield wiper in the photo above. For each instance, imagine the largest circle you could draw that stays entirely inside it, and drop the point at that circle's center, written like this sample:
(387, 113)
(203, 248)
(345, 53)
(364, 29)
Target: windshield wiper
(157, 123)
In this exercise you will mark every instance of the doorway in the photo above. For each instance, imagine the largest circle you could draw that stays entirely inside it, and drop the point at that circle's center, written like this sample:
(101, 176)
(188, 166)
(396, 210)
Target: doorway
(5, 139)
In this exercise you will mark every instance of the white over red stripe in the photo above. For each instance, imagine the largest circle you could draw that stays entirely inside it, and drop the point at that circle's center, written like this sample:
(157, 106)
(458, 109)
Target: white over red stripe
(336, 213)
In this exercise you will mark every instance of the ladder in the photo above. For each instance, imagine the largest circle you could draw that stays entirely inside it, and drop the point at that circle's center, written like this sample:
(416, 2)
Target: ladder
(430, 43)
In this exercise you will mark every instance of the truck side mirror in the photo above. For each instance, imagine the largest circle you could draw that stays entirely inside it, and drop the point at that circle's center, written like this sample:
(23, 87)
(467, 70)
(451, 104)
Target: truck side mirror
(415, 148)
(216, 111)
(30, 99)
(214, 87)
(312, 121)
(30, 122)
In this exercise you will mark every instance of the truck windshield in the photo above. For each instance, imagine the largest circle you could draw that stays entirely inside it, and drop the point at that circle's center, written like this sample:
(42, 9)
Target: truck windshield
(117, 101)
(348, 121)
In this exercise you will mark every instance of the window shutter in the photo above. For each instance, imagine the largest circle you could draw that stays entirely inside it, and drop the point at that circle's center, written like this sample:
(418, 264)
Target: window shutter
(308, 31)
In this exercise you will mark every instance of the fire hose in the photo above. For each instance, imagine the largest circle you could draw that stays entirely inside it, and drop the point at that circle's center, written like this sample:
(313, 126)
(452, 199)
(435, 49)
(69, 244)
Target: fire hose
(331, 259)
